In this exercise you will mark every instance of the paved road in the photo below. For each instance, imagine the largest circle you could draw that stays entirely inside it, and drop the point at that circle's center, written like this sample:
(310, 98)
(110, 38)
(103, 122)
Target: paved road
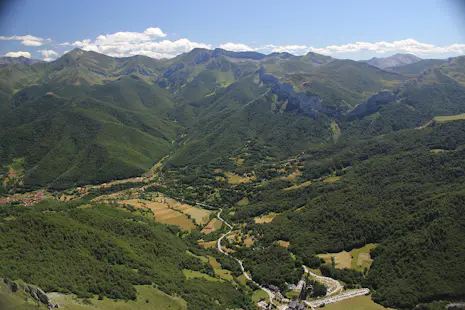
(270, 294)
(334, 286)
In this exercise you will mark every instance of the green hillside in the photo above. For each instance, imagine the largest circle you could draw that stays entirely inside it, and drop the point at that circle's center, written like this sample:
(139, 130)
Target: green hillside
(116, 250)
(305, 154)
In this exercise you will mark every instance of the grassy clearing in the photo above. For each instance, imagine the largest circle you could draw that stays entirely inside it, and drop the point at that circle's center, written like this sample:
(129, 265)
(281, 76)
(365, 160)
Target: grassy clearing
(207, 245)
(200, 216)
(342, 259)
(224, 274)
(243, 202)
(162, 213)
(191, 274)
(293, 176)
(336, 131)
(259, 295)
(265, 218)
(213, 262)
(361, 257)
(446, 118)
(331, 179)
(236, 179)
(242, 279)
(202, 258)
(212, 226)
(248, 242)
(284, 244)
(298, 186)
(356, 303)
(358, 259)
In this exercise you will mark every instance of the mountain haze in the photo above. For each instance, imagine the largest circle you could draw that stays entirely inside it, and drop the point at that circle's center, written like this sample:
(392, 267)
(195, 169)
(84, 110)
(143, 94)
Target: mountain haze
(397, 60)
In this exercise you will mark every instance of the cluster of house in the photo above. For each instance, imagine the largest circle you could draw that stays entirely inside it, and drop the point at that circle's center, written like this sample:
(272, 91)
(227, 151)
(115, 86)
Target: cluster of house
(291, 305)
(28, 201)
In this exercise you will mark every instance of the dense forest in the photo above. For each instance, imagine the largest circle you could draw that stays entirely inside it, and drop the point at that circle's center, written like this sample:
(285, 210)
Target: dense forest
(341, 153)
(98, 250)
(395, 191)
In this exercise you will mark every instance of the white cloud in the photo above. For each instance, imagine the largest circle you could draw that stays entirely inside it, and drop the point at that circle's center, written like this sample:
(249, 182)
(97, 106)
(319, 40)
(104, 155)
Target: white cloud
(402, 46)
(123, 44)
(293, 49)
(407, 46)
(18, 54)
(27, 40)
(150, 43)
(236, 47)
(31, 43)
(48, 54)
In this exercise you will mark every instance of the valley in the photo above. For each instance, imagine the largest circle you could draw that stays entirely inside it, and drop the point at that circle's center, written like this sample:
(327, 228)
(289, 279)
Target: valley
(232, 180)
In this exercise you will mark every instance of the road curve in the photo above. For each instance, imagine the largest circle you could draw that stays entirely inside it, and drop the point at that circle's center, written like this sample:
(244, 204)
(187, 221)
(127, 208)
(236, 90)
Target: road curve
(333, 285)
(241, 264)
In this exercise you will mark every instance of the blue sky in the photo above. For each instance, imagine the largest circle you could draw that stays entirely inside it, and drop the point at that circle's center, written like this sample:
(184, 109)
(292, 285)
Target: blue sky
(355, 29)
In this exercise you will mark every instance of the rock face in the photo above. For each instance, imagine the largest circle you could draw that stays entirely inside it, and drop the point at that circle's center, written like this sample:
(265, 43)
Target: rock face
(37, 293)
(31, 290)
(373, 104)
(307, 104)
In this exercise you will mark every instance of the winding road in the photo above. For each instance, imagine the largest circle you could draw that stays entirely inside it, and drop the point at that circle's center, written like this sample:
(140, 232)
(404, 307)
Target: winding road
(334, 287)
(270, 294)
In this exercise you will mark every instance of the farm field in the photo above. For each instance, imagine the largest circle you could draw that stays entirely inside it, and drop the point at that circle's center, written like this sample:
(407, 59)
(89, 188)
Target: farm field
(162, 213)
(207, 245)
(212, 226)
(236, 179)
(356, 259)
(265, 218)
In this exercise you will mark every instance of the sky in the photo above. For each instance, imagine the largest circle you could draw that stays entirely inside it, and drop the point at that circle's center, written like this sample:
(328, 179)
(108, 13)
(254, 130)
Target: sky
(355, 29)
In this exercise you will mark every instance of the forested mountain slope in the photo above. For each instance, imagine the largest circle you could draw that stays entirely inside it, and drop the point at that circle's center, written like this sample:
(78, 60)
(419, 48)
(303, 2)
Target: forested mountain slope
(87, 117)
(338, 153)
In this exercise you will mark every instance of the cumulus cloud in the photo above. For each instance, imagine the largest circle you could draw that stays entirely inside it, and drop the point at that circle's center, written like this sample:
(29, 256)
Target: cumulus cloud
(408, 46)
(18, 54)
(151, 42)
(411, 46)
(236, 47)
(27, 40)
(123, 44)
(293, 49)
(48, 54)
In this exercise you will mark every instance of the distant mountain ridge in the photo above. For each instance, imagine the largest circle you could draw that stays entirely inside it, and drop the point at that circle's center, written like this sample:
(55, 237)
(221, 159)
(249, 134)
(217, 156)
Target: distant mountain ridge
(394, 61)
(88, 117)
(5, 60)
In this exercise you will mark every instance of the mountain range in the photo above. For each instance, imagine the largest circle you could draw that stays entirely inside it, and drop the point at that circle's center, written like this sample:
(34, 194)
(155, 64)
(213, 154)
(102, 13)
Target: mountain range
(17, 60)
(88, 117)
(303, 155)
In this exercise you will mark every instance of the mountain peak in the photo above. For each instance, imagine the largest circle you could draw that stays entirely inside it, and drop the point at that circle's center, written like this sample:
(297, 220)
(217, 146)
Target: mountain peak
(396, 60)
